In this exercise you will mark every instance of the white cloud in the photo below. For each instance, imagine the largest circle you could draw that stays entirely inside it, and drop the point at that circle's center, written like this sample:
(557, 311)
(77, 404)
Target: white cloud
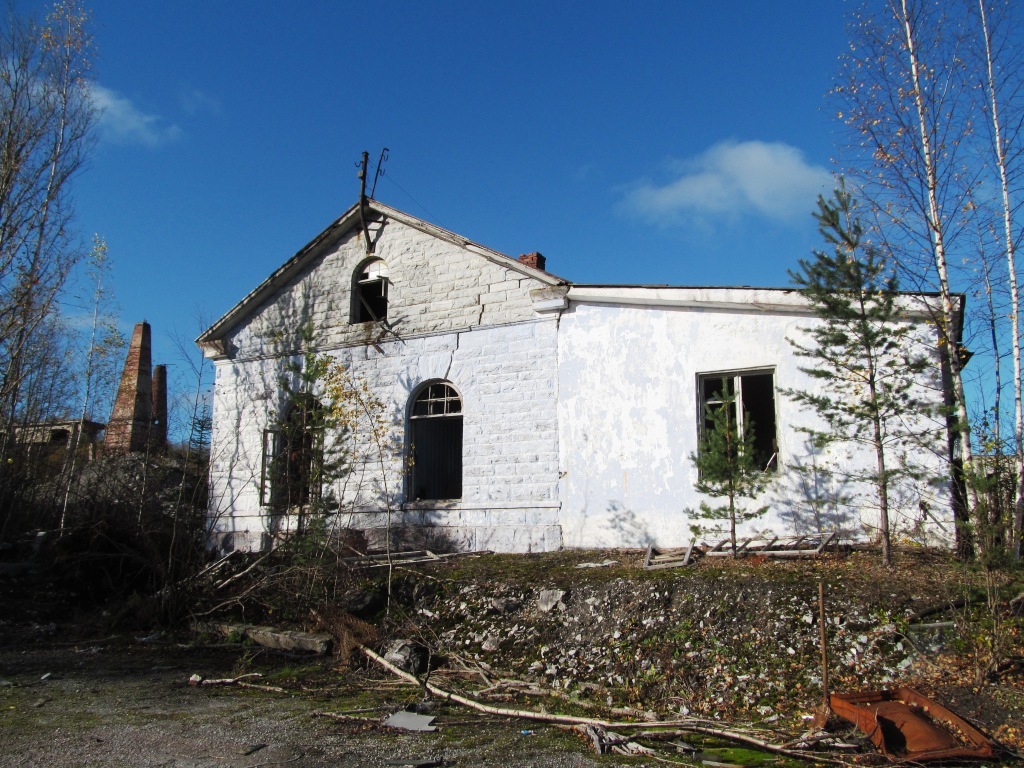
(123, 123)
(770, 179)
(195, 101)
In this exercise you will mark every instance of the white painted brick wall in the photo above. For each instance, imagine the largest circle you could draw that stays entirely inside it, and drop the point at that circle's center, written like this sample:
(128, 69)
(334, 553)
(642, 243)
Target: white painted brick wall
(628, 421)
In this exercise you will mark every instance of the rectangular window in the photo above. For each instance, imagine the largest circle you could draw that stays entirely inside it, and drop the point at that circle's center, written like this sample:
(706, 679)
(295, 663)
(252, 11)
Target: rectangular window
(752, 395)
(291, 468)
(371, 301)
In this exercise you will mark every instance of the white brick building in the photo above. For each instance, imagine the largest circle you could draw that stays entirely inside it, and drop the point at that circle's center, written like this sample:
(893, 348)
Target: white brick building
(524, 413)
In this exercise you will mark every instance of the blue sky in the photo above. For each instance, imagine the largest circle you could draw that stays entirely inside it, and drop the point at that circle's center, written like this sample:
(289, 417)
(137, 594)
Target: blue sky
(673, 142)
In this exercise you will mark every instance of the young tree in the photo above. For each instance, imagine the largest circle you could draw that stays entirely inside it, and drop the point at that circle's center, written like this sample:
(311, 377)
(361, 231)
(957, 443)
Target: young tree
(102, 356)
(863, 351)
(726, 463)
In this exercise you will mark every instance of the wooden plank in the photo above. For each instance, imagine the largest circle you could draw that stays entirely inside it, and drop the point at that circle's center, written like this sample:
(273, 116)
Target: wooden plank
(689, 551)
(826, 541)
(717, 547)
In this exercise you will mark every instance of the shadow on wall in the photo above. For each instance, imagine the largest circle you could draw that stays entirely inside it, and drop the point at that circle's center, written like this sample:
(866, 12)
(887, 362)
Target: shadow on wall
(437, 539)
(817, 500)
(625, 528)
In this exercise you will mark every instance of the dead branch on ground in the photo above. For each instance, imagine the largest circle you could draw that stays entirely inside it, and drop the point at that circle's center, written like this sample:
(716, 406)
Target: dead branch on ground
(687, 725)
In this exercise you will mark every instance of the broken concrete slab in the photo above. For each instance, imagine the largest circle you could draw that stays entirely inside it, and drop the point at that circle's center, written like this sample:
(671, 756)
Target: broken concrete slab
(410, 721)
(268, 637)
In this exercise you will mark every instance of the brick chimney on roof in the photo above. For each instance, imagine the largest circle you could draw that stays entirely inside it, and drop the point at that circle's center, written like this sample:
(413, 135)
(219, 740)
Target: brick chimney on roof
(535, 260)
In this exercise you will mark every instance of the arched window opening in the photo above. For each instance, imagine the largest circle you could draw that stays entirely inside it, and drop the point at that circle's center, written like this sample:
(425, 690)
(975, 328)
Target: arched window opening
(435, 443)
(370, 292)
(292, 457)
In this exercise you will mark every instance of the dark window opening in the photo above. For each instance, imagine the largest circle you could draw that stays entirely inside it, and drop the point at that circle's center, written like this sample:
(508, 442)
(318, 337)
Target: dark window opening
(435, 443)
(752, 395)
(292, 458)
(370, 292)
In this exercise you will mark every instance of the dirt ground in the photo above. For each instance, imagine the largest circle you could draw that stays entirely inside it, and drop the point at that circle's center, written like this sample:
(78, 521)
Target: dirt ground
(128, 703)
(732, 642)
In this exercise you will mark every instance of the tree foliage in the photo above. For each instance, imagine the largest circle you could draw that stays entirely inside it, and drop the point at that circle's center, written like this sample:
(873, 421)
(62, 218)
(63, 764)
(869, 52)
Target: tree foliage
(932, 95)
(864, 353)
(726, 464)
(46, 117)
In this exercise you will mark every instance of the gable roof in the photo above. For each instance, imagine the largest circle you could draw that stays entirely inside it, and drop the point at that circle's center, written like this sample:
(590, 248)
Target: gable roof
(348, 221)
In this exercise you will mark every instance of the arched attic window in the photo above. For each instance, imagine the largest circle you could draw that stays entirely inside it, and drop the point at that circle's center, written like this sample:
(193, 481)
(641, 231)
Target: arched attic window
(293, 457)
(370, 292)
(435, 443)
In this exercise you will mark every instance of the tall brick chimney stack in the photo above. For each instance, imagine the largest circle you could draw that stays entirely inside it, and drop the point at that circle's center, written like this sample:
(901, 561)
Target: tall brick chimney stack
(128, 428)
(535, 260)
(158, 431)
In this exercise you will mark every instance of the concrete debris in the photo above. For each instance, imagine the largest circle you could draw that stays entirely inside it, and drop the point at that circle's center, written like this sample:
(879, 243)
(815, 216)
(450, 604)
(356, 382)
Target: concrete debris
(410, 721)
(602, 564)
(549, 599)
(268, 637)
(408, 656)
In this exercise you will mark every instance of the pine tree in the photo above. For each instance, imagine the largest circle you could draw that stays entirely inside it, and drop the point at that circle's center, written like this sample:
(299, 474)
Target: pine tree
(863, 351)
(726, 463)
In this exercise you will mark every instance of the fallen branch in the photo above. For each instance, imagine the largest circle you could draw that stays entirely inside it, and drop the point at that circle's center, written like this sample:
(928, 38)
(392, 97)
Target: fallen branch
(448, 696)
(242, 573)
(216, 566)
(345, 718)
(237, 681)
(524, 714)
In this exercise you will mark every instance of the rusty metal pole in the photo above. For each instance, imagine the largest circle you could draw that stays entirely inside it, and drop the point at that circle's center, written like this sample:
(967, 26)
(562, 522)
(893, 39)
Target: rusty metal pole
(824, 647)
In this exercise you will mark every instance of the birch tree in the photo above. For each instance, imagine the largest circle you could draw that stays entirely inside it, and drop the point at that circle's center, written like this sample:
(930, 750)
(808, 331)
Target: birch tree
(904, 95)
(46, 117)
(1000, 69)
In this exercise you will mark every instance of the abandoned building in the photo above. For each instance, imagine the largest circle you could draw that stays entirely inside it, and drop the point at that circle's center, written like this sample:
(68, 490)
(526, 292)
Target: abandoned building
(524, 412)
(60, 435)
(138, 420)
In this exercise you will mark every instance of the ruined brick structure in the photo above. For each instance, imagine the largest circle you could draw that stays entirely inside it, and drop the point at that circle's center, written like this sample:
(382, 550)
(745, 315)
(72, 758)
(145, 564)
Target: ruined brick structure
(138, 421)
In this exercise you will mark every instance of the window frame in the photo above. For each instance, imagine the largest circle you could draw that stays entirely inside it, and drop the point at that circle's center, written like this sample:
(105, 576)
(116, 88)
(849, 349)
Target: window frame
(735, 376)
(273, 448)
(363, 280)
(447, 405)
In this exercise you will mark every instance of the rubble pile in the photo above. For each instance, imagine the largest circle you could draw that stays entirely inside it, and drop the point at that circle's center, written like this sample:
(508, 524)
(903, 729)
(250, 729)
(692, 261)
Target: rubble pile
(711, 641)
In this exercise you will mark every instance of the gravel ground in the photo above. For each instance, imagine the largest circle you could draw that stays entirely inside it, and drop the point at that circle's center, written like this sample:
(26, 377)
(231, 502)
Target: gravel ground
(120, 704)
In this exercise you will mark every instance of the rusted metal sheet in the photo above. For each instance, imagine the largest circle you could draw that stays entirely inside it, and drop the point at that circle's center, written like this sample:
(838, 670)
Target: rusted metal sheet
(907, 725)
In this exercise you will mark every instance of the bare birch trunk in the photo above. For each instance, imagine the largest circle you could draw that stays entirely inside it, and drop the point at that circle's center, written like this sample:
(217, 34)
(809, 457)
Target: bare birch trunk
(1000, 156)
(936, 223)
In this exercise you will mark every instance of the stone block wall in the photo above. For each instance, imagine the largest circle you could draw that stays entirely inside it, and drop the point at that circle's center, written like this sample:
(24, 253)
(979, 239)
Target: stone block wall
(506, 376)
(434, 286)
